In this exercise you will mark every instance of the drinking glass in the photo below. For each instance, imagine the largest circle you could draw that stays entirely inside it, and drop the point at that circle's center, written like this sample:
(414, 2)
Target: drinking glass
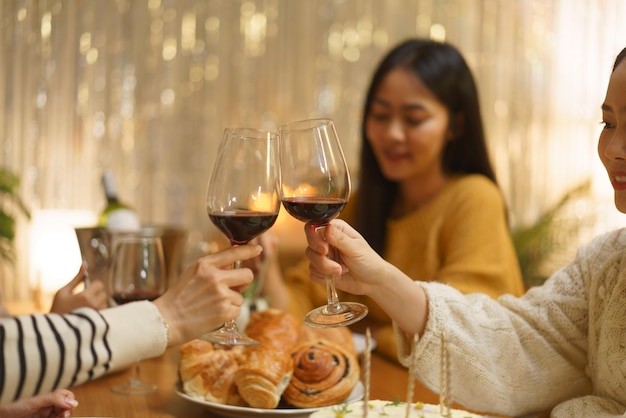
(243, 199)
(137, 273)
(315, 186)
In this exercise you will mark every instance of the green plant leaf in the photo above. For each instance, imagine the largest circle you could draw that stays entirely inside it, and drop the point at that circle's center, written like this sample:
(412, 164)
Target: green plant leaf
(535, 243)
(7, 226)
(9, 187)
(9, 184)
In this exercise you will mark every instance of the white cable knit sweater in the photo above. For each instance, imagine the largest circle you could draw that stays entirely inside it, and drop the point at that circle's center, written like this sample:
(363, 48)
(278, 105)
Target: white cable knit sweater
(560, 347)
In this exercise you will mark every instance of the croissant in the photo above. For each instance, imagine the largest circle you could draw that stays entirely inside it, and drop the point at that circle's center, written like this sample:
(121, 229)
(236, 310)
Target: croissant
(324, 374)
(193, 356)
(263, 376)
(275, 329)
(208, 373)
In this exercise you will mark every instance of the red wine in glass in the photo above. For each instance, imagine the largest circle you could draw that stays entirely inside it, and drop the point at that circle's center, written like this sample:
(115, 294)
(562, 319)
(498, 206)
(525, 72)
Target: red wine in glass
(317, 210)
(134, 296)
(240, 226)
(315, 186)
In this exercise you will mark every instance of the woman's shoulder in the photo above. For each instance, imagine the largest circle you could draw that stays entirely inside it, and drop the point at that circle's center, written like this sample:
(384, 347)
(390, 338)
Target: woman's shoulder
(607, 242)
(604, 251)
(473, 181)
(474, 188)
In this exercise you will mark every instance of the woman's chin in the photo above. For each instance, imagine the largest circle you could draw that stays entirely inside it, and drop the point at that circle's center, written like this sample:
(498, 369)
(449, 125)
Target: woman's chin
(620, 201)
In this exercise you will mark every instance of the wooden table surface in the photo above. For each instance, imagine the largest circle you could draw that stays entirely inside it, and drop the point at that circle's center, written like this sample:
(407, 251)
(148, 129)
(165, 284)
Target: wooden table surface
(388, 381)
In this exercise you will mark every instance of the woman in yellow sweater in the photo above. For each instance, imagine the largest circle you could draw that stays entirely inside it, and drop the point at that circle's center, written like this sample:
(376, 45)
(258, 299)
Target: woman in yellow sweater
(427, 198)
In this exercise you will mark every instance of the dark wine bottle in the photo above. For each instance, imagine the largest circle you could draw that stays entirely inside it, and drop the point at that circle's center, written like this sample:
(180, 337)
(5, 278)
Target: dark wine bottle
(116, 215)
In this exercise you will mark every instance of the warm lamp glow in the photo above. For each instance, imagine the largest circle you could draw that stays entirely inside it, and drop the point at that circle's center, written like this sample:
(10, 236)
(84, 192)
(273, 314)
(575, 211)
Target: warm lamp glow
(263, 202)
(54, 256)
(304, 189)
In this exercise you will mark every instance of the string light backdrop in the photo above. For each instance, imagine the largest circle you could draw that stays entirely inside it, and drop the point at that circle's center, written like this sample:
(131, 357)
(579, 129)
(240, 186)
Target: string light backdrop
(145, 87)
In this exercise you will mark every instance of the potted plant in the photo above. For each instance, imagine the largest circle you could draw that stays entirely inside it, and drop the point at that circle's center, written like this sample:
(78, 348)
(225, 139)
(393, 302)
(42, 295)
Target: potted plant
(10, 201)
(537, 243)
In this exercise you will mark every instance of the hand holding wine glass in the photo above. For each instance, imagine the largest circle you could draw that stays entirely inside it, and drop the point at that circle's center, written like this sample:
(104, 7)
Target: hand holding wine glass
(243, 199)
(315, 186)
(137, 273)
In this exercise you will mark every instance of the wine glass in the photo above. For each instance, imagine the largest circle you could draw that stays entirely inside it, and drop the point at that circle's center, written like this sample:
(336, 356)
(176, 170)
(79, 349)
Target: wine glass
(243, 199)
(315, 186)
(137, 273)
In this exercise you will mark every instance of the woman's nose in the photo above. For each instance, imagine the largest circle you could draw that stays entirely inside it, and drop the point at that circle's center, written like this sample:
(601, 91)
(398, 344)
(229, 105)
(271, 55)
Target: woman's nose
(395, 130)
(616, 147)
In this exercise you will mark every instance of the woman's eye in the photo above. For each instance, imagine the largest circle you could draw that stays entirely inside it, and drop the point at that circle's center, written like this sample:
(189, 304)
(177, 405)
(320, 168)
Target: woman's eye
(379, 117)
(413, 121)
(607, 124)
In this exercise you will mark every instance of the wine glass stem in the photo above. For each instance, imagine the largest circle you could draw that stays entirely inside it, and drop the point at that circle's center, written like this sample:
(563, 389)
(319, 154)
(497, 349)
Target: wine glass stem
(135, 377)
(333, 300)
(333, 306)
(230, 327)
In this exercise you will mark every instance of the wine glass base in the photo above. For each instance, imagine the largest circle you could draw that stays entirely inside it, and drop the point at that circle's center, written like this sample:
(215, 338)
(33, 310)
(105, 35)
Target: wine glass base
(134, 387)
(228, 337)
(347, 314)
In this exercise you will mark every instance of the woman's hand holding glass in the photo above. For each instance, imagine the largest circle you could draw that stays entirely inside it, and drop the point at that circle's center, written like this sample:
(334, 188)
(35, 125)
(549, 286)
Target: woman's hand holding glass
(206, 294)
(364, 272)
(93, 294)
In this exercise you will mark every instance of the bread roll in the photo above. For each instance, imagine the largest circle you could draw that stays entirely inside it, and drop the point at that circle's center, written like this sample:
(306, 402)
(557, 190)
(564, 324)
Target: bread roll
(263, 376)
(193, 357)
(274, 329)
(208, 373)
(267, 369)
(324, 374)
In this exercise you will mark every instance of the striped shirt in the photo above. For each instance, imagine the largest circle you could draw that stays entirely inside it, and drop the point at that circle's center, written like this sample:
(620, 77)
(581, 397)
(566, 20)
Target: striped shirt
(43, 352)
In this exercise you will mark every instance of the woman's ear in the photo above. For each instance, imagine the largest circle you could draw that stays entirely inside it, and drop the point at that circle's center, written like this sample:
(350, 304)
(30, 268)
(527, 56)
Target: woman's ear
(457, 126)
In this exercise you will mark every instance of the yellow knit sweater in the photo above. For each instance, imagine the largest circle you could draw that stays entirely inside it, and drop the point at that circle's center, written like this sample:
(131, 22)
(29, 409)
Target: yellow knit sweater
(460, 238)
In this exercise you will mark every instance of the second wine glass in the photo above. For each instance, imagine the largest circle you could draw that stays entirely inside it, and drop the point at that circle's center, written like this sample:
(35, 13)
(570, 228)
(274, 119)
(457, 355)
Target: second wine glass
(315, 186)
(243, 199)
(137, 273)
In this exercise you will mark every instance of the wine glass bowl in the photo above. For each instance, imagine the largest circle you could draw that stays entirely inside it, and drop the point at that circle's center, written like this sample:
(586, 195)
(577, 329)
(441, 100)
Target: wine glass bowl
(240, 226)
(243, 199)
(138, 269)
(137, 273)
(315, 187)
(318, 211)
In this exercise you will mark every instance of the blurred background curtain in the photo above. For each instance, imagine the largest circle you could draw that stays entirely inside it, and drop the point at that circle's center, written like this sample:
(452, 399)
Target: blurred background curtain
(145, 88)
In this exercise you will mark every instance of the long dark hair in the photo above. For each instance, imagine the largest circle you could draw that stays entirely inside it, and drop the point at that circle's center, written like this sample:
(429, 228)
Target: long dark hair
(443, 70)
(619, 58)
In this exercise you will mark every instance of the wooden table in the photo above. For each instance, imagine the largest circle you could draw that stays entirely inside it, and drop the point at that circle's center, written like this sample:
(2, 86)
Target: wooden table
(388, 381)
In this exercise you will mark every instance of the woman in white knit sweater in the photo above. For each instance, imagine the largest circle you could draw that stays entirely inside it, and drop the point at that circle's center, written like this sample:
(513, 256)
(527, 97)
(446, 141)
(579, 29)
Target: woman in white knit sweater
(560, 348)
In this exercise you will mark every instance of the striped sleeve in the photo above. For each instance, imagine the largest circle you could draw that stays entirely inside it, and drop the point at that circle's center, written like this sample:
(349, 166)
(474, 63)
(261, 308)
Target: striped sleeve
(43, 352)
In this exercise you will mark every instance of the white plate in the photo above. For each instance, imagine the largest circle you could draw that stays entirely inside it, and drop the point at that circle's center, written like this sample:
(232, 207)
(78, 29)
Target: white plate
(360, 342)
(244, 412)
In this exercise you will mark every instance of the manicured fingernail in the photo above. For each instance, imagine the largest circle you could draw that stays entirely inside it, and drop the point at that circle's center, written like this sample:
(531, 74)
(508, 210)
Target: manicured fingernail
(71, 402)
